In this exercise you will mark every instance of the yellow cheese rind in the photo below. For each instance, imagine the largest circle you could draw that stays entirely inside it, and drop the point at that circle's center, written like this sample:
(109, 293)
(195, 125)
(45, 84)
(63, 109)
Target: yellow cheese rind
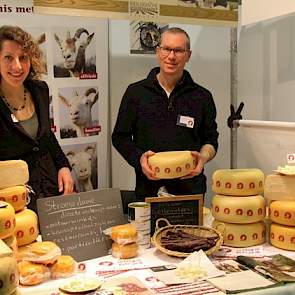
(13, 172)
(279, 187)
(247, 209)
(172, 164)
(5, 251)
(238, 182)
(8, 275)
(7, 220)
(282, 236)
(26, 229)
(15, 196)
(241, 235)
(282, 212)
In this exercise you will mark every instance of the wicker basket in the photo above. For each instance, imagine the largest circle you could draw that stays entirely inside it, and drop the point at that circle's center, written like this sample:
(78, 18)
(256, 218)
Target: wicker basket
(201, 231)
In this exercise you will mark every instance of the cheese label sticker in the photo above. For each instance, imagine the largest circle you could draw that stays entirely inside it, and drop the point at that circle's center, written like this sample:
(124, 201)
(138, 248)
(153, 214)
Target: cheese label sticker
(185, 121)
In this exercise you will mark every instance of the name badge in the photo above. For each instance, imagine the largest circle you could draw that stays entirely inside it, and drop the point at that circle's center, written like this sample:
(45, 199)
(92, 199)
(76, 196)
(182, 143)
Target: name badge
(14, 118)
(185, 121)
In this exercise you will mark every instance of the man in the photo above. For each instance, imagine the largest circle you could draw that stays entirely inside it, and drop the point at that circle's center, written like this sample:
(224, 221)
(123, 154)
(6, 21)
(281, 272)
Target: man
(167, 111)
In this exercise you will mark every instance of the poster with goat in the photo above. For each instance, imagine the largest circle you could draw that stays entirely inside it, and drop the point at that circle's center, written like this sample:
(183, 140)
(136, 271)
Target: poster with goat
(83, 159)
(74, 52)
(78, 98)
(79, 111)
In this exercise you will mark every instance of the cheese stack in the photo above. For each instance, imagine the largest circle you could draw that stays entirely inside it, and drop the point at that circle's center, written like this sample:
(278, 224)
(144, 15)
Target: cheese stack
(238, 207)
(282, 228)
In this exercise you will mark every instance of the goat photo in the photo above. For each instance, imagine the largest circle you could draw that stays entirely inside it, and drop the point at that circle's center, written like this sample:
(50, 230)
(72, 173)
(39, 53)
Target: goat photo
(83, 159)
(73, 52)
(78, 107)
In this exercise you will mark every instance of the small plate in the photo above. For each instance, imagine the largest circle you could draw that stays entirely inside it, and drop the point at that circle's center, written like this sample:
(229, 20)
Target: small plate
(80, 285)
(284, 172)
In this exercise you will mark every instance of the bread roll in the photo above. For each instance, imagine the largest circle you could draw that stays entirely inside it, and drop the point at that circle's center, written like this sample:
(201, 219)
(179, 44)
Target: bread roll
(124, 251)
(124, 234)
(63, 267)
(32, 273)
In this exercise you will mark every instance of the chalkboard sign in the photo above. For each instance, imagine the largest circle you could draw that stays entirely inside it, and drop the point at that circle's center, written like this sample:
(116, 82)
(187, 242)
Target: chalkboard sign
(76, 222)
(186, 209)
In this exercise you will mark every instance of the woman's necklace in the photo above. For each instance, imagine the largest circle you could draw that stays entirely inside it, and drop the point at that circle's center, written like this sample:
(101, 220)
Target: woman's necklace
(22, 107)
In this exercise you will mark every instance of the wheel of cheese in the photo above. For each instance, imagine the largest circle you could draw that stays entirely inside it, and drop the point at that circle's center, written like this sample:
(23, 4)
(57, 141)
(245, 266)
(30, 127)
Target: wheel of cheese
(282, 236)
(13, 172)
(249, 209)
(241, 235)
(15, 195)
(26, 229)
(8, 275)
(282, 212)
(7, 220)
(238, 182)
(173, 164)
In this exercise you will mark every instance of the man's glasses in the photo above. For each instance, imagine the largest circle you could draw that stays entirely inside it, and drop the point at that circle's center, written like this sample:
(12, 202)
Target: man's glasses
(177, 51)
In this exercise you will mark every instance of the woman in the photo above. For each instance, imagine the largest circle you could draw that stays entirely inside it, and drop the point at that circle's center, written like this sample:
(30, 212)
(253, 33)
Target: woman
(24, 116)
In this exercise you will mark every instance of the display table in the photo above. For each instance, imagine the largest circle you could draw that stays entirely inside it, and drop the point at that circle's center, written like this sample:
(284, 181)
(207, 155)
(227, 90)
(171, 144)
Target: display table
(107, 266)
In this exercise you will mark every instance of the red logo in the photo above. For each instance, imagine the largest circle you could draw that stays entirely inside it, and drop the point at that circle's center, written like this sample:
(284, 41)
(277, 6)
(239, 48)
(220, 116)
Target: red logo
(178, 169)
(167, 170)
(249, 212)
(216, 209)
(252, 185)
(81, 266)
(12, 278)
(187, 165)
(228, 185)
(288, 215)
(240, 185)
(218, 183)
(157, 169)
(243, 237)
(14, 198)
(260, 184)
(226, 210)
(272, 235)
(293, 240)
(2, 199)
(7, 224)
(260, 211)
(32, 230)
(255, 236)
(276, 213)
(230, 237)
(24, 196)
(20, 234)
(281, 238)
(239, 211)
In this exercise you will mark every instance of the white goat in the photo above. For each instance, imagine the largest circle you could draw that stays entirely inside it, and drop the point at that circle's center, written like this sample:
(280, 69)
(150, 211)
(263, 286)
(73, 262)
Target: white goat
(80, 109)
(73, 51)
(81, 164)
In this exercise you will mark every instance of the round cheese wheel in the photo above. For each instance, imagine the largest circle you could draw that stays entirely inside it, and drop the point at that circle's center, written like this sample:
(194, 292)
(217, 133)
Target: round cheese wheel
(282, 212)
(238, 182)
(241, 235)
(8, 275)
(15, 195)
(26, 229)
(7, 220)
(282, 236)
(233, 209)
(172, 164)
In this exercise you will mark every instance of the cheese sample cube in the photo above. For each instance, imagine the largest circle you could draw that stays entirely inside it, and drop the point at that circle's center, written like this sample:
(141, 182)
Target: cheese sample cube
(15, 195)
(26, 229)
(172, 164)
(233, 209)
(13, 172)
(7, 220)
(279, 187)
(241, 235)
(282, 236)
(238, 182)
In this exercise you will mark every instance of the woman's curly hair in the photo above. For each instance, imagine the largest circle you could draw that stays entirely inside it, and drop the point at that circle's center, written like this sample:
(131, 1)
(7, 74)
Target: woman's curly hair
(29, 46)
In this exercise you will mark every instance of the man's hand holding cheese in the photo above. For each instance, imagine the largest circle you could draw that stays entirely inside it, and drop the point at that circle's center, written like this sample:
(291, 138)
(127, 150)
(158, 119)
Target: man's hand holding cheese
(167, 113)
